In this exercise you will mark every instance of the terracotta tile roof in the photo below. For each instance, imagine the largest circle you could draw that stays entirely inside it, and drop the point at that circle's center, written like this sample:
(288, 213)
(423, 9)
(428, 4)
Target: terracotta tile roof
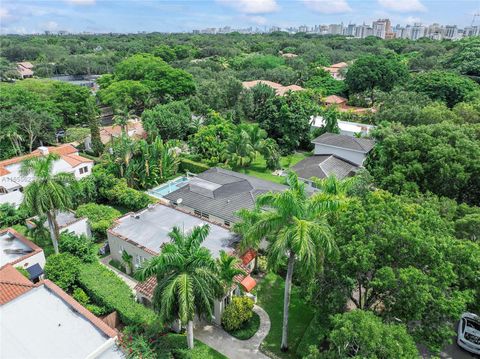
(112, 333)
(280, 90)
(12, 284)
(334, 99)
(135, 129)
(148, 287)
(25, 64)
(248, 256)
(64, 151)
(248, 283)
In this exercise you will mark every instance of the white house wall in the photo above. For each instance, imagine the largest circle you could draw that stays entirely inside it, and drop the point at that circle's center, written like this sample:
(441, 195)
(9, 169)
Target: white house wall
(38, 258)
(79, 227)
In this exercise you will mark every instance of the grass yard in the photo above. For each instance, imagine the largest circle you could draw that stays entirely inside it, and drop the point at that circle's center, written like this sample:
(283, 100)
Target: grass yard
(270, 298)
(201, 350)
(259, 167)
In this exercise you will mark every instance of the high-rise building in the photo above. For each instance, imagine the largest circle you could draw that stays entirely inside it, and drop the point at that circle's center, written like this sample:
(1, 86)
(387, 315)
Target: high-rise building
(451, 32)
(382, 28)
(350, 30)
(417, 31)
(335, 29)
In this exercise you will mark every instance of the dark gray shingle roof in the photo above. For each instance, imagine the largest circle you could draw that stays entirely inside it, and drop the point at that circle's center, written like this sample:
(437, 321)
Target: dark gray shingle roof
(322, 166)
(221, 192)
(343, 141)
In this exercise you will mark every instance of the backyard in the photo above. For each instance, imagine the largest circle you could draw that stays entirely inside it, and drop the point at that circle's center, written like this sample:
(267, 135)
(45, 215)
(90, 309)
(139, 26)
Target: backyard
(270, 292)
(258, 168)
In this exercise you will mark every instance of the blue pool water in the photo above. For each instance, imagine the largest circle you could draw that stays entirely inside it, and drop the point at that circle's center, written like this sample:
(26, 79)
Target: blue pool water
(168, 187)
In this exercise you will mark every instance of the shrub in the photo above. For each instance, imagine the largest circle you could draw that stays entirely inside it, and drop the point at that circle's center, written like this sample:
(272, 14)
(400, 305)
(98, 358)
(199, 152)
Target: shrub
(127, 197)
(80, 296)
(81, 247)
(106, 289)
(192, 166)
(237, 312)
(9, 215)
(99, 216)
(23, 271)
(63, 269)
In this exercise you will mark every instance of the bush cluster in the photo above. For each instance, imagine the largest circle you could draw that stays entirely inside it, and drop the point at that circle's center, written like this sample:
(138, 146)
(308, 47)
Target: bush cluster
(106, 289)
(99, 216)
(192, 166)
(237, 312)
(81, 247)
(63, 269)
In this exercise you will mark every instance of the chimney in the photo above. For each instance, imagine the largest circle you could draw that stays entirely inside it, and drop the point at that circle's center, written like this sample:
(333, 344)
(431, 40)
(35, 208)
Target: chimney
(43, 150)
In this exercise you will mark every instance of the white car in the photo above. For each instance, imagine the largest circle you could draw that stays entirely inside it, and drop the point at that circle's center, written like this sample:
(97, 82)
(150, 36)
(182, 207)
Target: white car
(469, 333)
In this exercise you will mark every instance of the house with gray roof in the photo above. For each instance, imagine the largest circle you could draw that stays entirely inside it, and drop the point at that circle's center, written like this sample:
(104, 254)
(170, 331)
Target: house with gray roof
(322, 166)
(352, 149)
(217, 194)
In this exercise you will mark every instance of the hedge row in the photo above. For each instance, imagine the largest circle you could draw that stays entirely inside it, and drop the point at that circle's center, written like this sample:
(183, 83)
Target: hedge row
(192, 166)
(106, 289)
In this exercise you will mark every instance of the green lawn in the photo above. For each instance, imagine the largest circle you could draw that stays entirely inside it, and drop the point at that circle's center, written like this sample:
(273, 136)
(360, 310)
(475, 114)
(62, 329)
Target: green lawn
(203, 351)
(248, 329)
(259, 168)
(270, 298)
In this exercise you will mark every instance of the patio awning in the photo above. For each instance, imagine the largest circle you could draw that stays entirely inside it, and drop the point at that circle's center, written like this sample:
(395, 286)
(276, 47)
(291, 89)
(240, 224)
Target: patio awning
(248, 283)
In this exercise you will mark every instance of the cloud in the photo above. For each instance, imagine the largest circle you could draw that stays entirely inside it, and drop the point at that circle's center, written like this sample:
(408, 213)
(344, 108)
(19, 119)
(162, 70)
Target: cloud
(328, 6)
(403, 5)
(410, 20)
(81, 2)
(50, 26)
(257, 20)
(251, 6)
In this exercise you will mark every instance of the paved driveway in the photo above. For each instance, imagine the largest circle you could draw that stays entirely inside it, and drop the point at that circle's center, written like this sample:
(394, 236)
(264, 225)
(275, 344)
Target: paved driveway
(231, 347)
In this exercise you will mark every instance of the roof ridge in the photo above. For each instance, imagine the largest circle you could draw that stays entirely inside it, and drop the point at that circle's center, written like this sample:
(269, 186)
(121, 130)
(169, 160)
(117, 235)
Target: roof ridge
(9, 282)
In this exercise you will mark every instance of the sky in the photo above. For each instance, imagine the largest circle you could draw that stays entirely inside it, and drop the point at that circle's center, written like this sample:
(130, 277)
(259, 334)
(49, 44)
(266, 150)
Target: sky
(33, 16)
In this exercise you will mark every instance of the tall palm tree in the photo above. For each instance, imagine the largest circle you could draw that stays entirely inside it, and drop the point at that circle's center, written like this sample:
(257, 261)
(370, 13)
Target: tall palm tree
(121, 118)
(295, 225)
(187, 279)
(47, 193)
(228, 269)
(38, 232)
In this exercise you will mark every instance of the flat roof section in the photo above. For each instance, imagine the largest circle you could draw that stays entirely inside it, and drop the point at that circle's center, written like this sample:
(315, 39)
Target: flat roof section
(39, 324)
(153, 225)
(11, 248)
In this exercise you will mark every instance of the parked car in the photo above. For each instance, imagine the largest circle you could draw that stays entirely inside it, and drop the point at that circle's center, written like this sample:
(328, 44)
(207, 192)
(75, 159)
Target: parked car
(469, 333)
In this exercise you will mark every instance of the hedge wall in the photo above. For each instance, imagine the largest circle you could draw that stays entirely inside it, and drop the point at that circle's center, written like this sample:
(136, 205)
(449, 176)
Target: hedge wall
(192, 166)
(106, 289)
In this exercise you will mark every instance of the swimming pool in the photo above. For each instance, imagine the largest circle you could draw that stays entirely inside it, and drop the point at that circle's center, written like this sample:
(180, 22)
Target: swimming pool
(169, 187)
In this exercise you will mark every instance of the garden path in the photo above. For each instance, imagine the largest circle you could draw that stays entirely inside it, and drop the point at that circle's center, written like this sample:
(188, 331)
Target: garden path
(231, 347)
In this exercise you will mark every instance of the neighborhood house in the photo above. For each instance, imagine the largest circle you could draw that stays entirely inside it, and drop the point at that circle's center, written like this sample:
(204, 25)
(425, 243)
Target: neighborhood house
(143, 234)
(68, 222)
(42, 321)
(280, 90)
(12, 182)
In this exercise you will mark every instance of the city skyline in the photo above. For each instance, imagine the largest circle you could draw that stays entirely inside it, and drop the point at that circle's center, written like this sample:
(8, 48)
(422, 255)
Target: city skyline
(104, 16)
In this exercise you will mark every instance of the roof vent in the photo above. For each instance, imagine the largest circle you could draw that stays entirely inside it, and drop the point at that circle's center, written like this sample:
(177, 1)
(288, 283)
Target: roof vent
(43, 150)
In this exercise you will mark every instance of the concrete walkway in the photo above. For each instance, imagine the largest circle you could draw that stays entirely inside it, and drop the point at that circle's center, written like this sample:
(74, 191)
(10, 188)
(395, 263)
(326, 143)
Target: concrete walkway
(127, 279)
(231, 347)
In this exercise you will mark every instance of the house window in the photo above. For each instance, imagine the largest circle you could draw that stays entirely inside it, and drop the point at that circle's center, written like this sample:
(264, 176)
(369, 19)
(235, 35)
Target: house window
(226, 301)
(138, 261)
(121, 249)
(83, 170)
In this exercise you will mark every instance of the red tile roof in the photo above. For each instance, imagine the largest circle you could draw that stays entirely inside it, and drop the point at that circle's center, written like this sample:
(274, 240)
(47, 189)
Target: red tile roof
(248, 256)
(248, 283)
(280, 90)
(334, 99)
(67, 152)
(148, 287)
(12, 284)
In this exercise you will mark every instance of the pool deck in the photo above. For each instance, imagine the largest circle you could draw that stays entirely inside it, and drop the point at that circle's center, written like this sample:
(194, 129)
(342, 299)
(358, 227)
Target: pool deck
(168, 187)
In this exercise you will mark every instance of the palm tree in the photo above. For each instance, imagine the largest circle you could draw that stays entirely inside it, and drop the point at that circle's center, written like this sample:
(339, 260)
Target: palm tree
(228, 269)
(128, 260)
(38, 232)
(47, 193)
(187, 279)
(121, 118)
(296, 227)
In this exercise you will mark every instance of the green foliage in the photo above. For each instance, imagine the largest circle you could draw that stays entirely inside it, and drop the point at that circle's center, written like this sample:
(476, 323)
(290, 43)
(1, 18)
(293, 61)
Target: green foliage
(106, 289)
(445, 86)
(170, 121)
(466, 57)
(166, 53)
(247, 329)
(373, 72)
(99, 216)
(9, 215)
(323, 82)
(192, 166)
(361, 334)
(264, 62)
(63, 269)
(239, 311)
(80, 296)
(76, 134)
(23, 271)
(82, 247)
(441, 158)
(125, 93)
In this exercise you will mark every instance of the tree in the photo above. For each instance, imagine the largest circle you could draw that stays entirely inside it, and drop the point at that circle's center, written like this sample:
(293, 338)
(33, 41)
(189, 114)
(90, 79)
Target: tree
(38, 232)
(128, 260)
(122, 94)
(165, 52)
(63, 269)
(441, 158)
(47, 193)
(228, 269)
(396, 257)
(372, 72)
(187, 280)
(170, 121)
(296, 227)
(444, 86)
(360, 334)
(466, 57)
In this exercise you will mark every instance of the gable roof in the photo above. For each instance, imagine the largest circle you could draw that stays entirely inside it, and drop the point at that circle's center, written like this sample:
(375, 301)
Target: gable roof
(67, 152)
(343, 141)
(221, 193)
(12, 284)
(322, 166)
(334, 99)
